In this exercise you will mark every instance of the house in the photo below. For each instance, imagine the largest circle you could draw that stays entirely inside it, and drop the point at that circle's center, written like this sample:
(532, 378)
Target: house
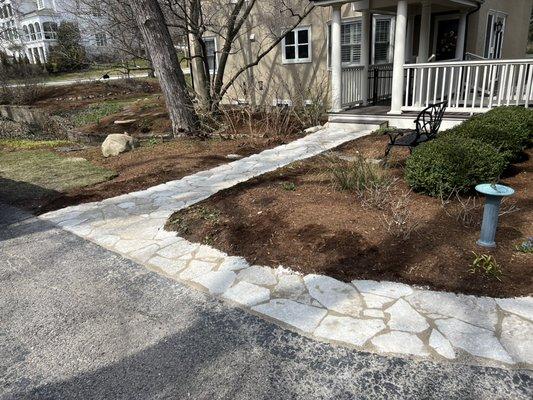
(29, 28)
(402, 54)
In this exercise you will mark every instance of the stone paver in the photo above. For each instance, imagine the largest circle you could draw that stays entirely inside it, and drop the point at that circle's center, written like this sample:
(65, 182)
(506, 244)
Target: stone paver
(375, 316)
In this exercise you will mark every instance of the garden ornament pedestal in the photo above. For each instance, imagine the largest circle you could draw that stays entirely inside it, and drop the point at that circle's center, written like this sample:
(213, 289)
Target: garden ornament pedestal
(493, 198)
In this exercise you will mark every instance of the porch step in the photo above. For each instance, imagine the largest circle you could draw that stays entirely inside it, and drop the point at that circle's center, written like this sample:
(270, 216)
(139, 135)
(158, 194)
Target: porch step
(358, 122)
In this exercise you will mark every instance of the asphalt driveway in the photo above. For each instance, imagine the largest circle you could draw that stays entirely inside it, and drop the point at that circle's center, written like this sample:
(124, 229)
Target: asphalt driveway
(79, 322)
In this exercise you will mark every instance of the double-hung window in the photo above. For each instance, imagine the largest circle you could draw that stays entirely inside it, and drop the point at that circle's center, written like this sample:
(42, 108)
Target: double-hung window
(350, 43)
(382, 40)
(296, 46)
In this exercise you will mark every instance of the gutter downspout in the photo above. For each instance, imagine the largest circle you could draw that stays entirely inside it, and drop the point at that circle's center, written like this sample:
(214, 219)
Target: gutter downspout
(468, 24)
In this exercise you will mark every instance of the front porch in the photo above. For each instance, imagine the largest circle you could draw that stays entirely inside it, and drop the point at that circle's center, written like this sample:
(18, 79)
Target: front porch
(441, 70)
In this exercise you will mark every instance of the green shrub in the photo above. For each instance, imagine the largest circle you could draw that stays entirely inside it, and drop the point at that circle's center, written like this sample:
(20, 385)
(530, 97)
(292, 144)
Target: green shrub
(508, 129)
(451, 163)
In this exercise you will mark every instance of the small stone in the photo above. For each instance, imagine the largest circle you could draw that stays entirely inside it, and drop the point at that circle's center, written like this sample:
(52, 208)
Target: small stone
(303, 317)
(400, 342)
(125, 122)
(441, 345)
(386, 289)
(373, 313)
(517, 338)
(473, 339)
(233, 264)
(216, 282)
(117, 143)
(258, 276)
(334, 295)
(349, 330)
(233, 156)
(247, 294)
(404, 318)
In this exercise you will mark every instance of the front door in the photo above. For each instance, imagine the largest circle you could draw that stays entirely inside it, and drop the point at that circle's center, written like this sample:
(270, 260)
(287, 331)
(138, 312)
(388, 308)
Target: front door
(446, 39)
(494, 35)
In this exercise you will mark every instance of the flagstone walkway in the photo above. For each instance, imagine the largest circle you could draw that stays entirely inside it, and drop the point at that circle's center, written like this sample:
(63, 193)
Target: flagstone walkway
(382, 317)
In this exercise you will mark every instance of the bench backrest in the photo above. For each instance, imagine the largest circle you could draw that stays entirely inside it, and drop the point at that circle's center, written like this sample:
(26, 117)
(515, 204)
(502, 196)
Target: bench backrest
(429, 120)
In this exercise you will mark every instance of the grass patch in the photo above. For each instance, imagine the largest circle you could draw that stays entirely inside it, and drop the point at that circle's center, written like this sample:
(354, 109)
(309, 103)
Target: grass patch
(48, 170)
(95, 112)
(25, 144)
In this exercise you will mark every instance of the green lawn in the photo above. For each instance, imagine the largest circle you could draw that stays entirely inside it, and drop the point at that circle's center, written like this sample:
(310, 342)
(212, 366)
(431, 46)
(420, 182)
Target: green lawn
(95, 112)
(25, 144)
(27, 176)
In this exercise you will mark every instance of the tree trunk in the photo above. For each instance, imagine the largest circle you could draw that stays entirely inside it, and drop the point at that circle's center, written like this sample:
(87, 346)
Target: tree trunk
(159, 44)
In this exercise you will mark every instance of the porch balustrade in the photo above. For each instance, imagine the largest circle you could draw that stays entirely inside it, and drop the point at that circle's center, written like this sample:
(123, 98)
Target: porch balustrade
(469, 86)
(379, 84)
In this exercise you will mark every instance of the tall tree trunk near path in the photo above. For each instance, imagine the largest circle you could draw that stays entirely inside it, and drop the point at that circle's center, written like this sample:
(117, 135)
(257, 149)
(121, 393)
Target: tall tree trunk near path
(157, 39)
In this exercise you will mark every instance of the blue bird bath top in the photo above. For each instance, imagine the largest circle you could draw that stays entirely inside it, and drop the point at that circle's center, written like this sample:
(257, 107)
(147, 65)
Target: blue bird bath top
(490, 189)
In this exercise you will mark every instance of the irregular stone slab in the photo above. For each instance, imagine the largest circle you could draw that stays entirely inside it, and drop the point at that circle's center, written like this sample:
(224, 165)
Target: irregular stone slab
(289, 287)
(233, 264)
(404, 318)
(480, 311)
(375, 301)
(178, 249)
(386, 289)
(473, 339)
(303, 317)
(334, 295)
(216, 282)
(522, 306)
(401, 343)
(517, 338)
(208, 253)
(374, 313)
(247, 294)
(258, 276)
(169, 267)
(127, 246)
(349, 330)
(196, 268)
(144, 254)
(441, 345)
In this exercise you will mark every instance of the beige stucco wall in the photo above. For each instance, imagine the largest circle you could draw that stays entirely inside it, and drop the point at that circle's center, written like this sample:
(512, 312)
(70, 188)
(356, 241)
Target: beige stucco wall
(516, 30)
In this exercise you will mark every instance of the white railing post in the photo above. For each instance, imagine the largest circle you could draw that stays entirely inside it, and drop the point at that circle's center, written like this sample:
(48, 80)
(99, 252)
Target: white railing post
(336, 62)
(365, 56)
(399, 58)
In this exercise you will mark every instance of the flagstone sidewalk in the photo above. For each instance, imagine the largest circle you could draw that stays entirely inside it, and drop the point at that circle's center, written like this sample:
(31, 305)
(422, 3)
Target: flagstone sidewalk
(382, 317)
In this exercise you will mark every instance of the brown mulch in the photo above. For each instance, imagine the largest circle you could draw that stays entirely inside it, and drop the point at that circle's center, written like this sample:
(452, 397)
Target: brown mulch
(296, 218)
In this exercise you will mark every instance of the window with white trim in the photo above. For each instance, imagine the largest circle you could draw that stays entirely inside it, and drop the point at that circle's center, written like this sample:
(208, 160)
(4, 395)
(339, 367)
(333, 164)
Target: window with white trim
(40, 4)
(350, 43)
(382, 40)
(494, 34)
(101, 39)
(296, 46)
(211, 48)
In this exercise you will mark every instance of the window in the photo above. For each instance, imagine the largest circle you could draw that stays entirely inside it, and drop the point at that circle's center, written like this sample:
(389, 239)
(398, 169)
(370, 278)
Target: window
(350, 43)
(296, 46)
(101, 39)
(40, 4)
(211, 49)
(382, 41)
(494, 35)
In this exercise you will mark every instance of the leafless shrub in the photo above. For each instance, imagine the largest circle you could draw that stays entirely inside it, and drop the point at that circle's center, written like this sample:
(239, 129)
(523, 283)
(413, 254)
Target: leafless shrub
(399, 219)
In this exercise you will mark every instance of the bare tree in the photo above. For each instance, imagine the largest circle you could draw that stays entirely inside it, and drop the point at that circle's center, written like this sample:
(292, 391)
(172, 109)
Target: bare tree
(158, 41)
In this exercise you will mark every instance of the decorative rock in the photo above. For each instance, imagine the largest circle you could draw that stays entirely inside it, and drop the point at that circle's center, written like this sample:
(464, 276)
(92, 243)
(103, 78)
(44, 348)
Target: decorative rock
(386, 289)
(233, 157)
(301, 316)
(474, 340)
(373, 313)
(117, 143)
(349, 330)
(125, 122)
(522, 306)
(480, 311)
(404, 318)
(441, 345)
(258, 276)
(334, 295)
(400, 342)
(216, 282)
(517, 338)
(247, 294)
(313, 129)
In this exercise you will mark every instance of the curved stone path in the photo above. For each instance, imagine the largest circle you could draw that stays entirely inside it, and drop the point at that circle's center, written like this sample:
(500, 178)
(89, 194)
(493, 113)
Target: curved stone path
(382, 317)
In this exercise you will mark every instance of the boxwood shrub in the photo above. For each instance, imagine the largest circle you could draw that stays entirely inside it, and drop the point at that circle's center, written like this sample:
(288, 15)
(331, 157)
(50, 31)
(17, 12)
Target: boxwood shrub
(451, 163)
(508, 129)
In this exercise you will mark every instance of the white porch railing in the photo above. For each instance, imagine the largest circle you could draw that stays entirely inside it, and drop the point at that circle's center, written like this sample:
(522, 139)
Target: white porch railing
(379, 85)
(352, 82)
(469, 86)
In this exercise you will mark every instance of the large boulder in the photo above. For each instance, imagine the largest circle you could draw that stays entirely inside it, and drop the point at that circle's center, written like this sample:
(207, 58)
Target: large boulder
(117, 143)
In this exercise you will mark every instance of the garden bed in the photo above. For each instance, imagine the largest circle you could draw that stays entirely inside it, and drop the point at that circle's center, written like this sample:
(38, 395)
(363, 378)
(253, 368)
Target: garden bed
(295, 217)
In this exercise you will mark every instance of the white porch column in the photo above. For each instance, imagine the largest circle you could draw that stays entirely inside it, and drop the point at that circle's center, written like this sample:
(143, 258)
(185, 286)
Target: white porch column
(461, 36)
(336, 62)
(399, 58)
(425, 28)
(365, 52)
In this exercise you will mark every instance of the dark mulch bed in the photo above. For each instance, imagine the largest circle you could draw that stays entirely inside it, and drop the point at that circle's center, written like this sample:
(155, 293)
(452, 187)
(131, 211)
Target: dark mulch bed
(296, 218)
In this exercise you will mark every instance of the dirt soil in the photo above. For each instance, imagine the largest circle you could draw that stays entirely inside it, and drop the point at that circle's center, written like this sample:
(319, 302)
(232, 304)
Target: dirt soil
(296, 218)
(150, 165)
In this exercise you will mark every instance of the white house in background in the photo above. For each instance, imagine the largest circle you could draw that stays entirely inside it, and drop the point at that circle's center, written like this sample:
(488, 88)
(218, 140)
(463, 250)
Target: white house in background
(29, 28)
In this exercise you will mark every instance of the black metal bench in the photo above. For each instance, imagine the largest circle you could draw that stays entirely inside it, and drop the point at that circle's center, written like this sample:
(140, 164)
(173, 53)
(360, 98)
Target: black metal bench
(427, 126)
